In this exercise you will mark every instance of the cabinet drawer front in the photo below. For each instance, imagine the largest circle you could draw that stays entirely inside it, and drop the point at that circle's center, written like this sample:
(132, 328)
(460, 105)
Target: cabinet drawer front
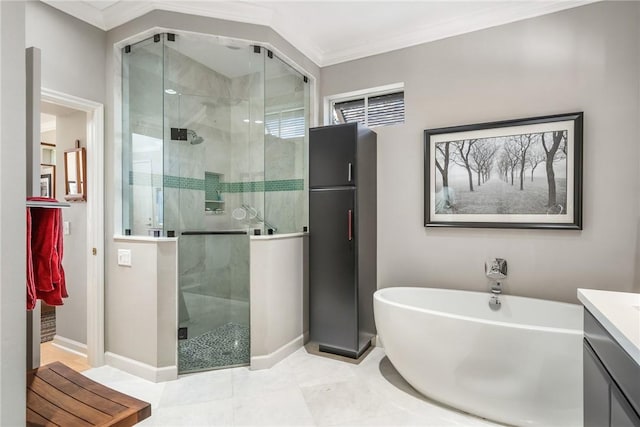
(596, 390)
(622, 368)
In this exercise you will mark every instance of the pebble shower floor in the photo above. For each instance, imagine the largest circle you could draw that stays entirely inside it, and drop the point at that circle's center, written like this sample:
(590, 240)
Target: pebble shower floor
(227, 345)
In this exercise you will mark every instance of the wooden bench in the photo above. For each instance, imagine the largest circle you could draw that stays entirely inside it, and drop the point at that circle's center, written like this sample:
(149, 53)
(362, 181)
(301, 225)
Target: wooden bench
(58, 395)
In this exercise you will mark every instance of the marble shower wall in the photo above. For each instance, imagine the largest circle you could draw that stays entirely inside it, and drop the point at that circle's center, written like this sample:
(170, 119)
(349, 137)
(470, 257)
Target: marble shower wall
(212, 264)
(229, 112)
(247, 149)
(286, 96)
(142, 93)
(285, 200)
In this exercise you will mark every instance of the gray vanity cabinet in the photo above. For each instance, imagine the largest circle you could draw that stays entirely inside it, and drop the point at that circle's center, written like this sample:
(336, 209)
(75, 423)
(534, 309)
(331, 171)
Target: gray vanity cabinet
(611, 380)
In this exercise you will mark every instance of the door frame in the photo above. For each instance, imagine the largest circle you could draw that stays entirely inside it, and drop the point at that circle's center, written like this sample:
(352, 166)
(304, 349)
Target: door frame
(95, 217)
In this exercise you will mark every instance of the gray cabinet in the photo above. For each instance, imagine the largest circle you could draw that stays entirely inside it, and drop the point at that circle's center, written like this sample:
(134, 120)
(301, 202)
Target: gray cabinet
(332, 155)
(333, 269)
(611, 380)
(342, 237)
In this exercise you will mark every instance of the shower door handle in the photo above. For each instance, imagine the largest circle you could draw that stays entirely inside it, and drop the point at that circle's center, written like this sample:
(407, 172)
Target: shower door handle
(349, 224)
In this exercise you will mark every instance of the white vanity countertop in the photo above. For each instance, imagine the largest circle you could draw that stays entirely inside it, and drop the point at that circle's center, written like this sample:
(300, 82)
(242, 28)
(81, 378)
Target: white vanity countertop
(619, 313)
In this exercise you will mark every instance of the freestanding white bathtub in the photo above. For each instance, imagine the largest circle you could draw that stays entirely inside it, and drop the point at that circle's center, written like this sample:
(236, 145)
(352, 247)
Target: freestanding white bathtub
(520, 365)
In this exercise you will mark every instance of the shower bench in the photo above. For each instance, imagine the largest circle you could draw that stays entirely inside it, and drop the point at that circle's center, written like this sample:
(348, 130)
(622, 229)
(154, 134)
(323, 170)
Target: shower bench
(58, 395)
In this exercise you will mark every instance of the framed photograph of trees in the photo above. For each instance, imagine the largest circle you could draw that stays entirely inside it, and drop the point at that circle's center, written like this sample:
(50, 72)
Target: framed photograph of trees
(524, 173)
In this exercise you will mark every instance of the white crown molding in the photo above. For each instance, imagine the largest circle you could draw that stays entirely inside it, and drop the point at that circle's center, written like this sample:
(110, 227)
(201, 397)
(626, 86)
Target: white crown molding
(295, 34)
(500, 15)
(125, 11)
(293, 30)
(80, 10)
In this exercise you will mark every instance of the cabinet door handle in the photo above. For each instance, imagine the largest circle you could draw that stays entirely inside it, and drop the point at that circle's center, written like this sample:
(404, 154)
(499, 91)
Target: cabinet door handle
(349, 220)
(349, 172)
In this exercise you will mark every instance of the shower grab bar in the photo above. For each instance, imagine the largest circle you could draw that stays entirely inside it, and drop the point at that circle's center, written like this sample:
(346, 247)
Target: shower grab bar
(221, 232)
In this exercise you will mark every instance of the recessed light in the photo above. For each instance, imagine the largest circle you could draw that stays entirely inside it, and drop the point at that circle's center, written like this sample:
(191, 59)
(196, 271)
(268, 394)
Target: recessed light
(170, 91)
(258, 122)
(246, 120)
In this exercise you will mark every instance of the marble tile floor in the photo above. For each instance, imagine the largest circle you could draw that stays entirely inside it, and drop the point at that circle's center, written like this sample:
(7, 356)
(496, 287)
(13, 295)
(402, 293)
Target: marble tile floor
(302, 390)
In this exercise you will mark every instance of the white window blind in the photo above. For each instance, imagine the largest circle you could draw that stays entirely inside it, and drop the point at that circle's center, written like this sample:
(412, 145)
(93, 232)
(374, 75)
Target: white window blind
(377, 110)
(285, 124)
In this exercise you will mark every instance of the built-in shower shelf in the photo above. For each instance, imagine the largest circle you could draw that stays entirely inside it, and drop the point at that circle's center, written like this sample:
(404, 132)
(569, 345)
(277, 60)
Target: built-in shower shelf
(213, 207)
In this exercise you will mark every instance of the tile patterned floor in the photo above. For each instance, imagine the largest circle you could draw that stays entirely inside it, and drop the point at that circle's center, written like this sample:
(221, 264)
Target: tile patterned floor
(302, 390)
(226, 345)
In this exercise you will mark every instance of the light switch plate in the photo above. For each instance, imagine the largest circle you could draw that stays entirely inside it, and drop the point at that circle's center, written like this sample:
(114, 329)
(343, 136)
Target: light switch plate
(124, 257)
(66, 228)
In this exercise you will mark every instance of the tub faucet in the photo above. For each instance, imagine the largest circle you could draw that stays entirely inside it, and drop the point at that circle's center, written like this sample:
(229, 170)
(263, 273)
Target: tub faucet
(496, 270)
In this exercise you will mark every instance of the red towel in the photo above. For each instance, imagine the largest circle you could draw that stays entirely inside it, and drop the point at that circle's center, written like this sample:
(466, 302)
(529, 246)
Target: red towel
(45, 275)
(31, 283)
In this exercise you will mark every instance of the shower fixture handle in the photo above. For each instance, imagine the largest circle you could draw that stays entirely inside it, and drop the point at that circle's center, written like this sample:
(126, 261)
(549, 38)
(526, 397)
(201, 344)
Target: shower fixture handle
(496, 269)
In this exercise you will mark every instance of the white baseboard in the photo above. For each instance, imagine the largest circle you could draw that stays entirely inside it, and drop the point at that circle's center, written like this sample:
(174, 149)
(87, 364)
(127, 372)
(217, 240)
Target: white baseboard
(142, 370)
(70, 345)
(268, 360)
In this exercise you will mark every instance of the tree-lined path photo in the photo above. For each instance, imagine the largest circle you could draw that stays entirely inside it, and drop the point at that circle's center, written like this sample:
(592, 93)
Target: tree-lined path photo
(515, 174)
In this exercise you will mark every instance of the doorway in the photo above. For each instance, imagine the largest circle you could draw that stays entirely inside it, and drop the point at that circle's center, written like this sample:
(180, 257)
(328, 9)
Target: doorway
(63, 329)
(77, 338)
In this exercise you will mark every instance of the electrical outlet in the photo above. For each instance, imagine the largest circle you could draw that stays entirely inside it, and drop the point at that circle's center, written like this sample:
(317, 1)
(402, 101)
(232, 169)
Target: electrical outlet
(124, 257)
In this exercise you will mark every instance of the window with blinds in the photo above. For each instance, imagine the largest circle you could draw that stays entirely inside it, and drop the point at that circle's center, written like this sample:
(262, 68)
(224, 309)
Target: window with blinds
(373, 110)
(285, 124)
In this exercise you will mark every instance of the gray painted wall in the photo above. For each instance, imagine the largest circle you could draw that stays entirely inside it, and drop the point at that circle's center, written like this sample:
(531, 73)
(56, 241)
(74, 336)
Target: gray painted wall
(141, 304)
(73, 62)
(73, 59)
(206, 25)
(13, 347)
(583, 59)
(71, 318)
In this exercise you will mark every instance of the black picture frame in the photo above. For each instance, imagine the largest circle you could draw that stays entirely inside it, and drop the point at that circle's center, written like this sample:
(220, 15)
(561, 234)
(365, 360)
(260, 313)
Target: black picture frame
(46, 189)
(47, 180)
(512, 161)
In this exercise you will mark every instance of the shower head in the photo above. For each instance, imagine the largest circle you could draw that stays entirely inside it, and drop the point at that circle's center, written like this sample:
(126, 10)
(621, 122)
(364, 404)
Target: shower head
(195, 139)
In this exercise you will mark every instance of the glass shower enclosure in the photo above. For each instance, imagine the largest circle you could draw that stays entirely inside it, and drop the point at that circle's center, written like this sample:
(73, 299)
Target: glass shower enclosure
(214, 150)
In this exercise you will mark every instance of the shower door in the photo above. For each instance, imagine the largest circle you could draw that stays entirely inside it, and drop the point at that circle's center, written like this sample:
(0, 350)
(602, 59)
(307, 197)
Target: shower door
(214, 300)
(213, 134)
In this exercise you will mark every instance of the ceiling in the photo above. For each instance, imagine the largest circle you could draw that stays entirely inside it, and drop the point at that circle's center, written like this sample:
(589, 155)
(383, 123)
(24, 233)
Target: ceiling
(48, 114)
(329, 32)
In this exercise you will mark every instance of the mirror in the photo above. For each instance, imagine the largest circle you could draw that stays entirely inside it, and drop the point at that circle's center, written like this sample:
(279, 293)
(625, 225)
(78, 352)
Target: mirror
(47, 181)
(75, 172)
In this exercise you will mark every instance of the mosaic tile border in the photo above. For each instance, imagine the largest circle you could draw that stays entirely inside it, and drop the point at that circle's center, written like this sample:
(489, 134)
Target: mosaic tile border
(212, 183)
